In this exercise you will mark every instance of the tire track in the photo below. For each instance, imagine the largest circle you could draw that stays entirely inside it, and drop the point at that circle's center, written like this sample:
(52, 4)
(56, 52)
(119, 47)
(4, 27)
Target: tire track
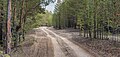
(69, 52)
(42, 46)
(69, 48)
(57, 50)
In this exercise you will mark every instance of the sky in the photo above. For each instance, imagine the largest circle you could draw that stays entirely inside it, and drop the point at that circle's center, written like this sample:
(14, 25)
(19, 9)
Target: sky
(51, 7)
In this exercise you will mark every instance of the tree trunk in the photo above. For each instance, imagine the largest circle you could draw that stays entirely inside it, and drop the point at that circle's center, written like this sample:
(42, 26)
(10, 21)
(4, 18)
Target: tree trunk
(14, 21)
(8, 30)
(1, 24)
(95, 3)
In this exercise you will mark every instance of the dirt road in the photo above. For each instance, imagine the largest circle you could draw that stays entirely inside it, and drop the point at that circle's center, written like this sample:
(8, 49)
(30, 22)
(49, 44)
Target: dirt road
(35, 45)
(43, 42)
(64, 47)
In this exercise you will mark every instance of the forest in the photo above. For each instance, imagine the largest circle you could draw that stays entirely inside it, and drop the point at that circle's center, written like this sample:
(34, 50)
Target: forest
(19, 16)
(92, 20)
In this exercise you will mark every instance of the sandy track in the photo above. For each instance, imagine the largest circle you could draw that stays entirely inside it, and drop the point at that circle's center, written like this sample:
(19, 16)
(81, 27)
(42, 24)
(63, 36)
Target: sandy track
(42, 46)
(57, 51)
(67, 47)
(36, 45)
(45, 43)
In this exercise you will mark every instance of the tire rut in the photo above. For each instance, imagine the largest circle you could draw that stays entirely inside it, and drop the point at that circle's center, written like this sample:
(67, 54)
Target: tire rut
(64, 47)
(42, 46)
(68, 48)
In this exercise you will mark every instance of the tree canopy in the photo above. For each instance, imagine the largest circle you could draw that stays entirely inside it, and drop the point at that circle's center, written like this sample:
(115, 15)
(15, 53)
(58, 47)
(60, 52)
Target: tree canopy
(94, 18)
(17, 17)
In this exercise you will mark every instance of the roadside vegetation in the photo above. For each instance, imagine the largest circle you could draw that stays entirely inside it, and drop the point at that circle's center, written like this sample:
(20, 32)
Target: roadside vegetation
(94, 18)
(94, 24)
(17, 17)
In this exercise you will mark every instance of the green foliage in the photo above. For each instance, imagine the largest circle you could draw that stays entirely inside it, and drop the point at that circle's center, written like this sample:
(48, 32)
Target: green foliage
(6, 55)
(25, 15)
(90, 16)
(38, 20)
(1, 52)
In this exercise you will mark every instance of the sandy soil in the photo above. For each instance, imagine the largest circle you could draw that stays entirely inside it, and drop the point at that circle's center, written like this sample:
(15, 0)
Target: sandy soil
(68, 48)
(102, 48)
(35, 45)
(43, 42)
